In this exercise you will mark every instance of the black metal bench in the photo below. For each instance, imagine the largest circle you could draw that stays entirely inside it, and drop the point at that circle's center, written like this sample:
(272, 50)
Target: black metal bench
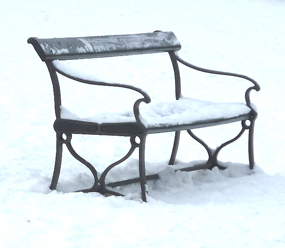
(52, 51)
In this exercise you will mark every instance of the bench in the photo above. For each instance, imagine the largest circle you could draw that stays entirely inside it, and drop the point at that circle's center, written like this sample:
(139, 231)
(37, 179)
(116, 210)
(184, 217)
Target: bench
(139, 124)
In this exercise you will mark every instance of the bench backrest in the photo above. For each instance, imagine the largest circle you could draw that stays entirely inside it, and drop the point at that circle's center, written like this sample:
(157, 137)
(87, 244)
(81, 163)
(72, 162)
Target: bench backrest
(104, 46)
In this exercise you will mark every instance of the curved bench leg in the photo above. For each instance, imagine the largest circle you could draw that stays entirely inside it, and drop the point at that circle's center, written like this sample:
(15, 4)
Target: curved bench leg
(96, 186)
(175, 148)
(57, 164)
(213, 154)
(104, 190)
(207, 148)
(99, 183)
(217, 151)
(136, 142)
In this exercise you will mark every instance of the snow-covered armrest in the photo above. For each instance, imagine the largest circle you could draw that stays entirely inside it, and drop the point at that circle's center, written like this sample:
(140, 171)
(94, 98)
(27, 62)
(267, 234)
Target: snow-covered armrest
(247, 93)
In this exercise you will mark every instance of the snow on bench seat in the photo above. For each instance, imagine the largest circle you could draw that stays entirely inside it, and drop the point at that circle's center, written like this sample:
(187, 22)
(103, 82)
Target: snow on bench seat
(183, 111)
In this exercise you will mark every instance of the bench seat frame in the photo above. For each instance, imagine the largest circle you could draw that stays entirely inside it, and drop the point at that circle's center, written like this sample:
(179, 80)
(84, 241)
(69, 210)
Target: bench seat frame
(137, 132)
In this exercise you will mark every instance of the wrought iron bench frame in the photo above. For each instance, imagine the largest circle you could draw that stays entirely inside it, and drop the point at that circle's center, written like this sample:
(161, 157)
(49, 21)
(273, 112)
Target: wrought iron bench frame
(123, 45)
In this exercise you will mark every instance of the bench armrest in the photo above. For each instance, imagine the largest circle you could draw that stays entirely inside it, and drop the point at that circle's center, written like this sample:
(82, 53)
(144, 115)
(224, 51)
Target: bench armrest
(146, 98)
(247, 93)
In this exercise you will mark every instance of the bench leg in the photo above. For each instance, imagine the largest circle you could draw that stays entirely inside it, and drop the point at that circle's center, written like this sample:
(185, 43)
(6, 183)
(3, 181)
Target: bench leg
(57, 165)
(213, 153)
(208, 149)
(250, 148)
(250, 143)
(106, 191)
(142, 167)
(175, 148)
(217, 151)
(99, 183)
(96, 186)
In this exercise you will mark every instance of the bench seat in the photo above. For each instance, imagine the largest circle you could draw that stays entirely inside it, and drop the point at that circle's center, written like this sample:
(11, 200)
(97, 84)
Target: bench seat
(185, 111)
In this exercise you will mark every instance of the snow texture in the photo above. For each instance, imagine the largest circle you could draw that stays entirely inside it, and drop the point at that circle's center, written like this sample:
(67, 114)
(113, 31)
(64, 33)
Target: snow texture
(203, 209)
(184, 111)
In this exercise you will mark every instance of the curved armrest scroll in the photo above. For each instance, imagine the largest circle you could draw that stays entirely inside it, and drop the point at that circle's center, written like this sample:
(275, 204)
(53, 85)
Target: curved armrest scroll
(137, 110)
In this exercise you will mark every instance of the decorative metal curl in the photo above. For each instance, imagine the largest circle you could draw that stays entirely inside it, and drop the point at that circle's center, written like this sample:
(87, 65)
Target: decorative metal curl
(96, 186)
(213, 153)
(104, 190)
(99, 183)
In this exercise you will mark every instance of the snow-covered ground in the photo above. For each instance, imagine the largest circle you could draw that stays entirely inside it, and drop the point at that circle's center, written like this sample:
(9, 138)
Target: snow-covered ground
(230, 208)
